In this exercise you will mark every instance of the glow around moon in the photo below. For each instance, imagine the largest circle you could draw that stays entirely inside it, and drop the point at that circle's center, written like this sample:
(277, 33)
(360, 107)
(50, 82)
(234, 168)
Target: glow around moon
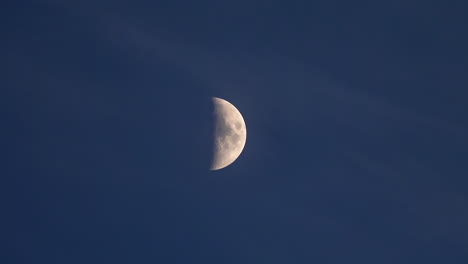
(230, 134)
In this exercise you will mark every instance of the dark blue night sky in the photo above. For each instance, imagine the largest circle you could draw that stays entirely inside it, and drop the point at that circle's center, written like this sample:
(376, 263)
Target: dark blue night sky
(356, 113)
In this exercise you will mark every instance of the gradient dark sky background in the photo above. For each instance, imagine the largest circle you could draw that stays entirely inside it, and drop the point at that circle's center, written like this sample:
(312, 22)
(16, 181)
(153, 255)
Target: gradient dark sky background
(356, 150)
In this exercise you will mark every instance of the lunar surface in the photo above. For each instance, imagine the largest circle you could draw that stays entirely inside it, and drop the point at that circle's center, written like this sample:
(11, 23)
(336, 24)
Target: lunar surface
(230, 134)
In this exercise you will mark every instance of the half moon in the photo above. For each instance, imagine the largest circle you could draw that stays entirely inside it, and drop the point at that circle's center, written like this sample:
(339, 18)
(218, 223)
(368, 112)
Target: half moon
(230, 134)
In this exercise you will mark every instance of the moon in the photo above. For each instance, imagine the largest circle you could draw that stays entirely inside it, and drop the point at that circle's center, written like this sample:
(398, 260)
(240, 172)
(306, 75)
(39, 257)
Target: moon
(230, 134)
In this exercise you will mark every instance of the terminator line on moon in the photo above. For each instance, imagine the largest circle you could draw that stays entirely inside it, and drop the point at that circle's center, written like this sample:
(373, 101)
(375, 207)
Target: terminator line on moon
(230, 134)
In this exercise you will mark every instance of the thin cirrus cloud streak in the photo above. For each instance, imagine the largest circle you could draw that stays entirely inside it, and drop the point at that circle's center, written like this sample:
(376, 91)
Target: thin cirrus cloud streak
(221, 70)
(307, 91)
(255, 74)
